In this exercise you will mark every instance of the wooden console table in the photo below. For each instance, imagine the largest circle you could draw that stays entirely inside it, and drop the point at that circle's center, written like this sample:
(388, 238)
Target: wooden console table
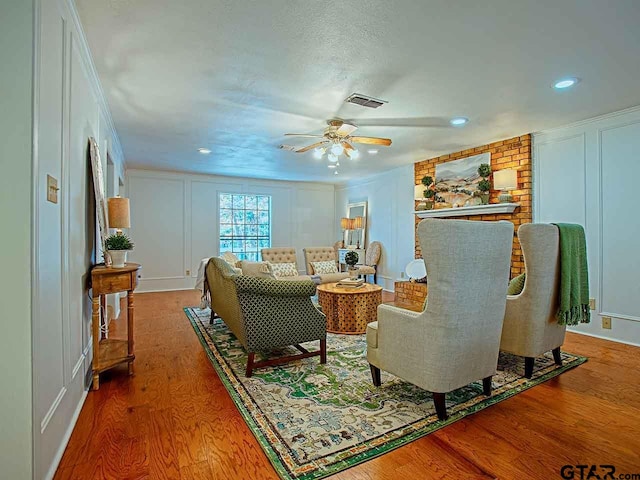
(108, 352)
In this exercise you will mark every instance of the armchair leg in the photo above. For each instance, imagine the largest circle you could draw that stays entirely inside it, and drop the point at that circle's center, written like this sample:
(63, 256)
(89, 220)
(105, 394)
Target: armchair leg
(441, 406)
(250, 364)
(556, 356)
(375, 375)
(486, 386)
(528, 366)
(323, 351)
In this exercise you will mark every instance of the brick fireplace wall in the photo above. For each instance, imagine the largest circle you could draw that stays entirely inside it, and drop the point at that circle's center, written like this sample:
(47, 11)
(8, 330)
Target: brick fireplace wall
(514, 153)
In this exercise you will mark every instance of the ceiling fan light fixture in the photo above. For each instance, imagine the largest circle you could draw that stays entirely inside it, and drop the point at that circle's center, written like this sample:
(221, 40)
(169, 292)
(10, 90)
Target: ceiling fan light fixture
(337, 149)
(335, 172)
(318, 152)
(354, 154)
(332, 158)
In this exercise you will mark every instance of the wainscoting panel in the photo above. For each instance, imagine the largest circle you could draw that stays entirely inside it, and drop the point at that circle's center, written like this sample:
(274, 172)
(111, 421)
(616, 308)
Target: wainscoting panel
(620, 173)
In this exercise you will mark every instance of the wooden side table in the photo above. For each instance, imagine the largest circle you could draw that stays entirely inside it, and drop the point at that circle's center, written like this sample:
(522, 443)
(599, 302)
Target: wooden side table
(108, 352)
(348, 309)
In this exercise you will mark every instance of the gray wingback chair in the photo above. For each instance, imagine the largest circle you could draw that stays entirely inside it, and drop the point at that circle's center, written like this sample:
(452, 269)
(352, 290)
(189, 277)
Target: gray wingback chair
(265, 314)
(456, 339)
(530, 324)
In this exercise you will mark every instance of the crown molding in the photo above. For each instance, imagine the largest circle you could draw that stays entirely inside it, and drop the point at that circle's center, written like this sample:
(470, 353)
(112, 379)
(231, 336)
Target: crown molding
(95, 81)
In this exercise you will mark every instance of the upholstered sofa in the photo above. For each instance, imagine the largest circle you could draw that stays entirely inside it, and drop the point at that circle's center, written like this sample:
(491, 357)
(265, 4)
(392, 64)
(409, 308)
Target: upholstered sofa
(265, 314)
(315, 254)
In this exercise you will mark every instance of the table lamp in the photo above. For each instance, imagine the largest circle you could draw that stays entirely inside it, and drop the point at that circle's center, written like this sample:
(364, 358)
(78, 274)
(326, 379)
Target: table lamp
(358, 223)
(118, 212)
(344, 225)
(505, 180)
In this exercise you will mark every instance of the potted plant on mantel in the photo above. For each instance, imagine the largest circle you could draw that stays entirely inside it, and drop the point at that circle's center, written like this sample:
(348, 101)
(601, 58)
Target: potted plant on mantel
(117, 246)
(351, 259)
(429, 191)
(484, 185)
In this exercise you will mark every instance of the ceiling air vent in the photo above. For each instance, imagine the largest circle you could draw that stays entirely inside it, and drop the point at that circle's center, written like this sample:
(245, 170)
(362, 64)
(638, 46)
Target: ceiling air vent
(365, 101)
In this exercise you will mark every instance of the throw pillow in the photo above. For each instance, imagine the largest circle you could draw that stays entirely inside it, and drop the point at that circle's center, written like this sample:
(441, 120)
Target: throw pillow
(230, 258)
(257, 269)
(321, 268)
(284, 269)
(516, 285)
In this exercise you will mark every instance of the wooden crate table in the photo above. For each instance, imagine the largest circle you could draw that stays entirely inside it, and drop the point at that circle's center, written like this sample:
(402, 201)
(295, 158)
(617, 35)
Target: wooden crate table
(108, 352)
(349, 309)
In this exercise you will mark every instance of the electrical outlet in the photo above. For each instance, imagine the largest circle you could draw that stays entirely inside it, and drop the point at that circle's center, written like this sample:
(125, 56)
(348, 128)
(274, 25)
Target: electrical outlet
(606, 323)
(592, 304)
(188, 273)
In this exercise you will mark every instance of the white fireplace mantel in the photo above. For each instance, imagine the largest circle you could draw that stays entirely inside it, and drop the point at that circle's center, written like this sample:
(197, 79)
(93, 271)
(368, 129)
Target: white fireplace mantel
(491, 209)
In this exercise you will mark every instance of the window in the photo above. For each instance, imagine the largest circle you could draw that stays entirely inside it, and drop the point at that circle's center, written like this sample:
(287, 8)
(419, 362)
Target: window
(245, 224)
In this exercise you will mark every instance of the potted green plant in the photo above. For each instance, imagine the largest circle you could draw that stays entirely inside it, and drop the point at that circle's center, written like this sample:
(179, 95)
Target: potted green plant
(351, 259)
(117, 247)
(429, 192)
(484, 170)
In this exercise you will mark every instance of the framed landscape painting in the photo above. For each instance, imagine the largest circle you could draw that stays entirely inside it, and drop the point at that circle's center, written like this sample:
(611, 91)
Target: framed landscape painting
(457, 181)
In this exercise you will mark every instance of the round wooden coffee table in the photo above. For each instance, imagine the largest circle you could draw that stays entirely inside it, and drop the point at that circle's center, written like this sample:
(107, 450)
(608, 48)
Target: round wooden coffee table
(348, 309)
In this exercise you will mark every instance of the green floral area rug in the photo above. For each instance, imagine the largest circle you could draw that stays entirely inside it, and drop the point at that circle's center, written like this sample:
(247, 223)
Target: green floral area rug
(314, 420)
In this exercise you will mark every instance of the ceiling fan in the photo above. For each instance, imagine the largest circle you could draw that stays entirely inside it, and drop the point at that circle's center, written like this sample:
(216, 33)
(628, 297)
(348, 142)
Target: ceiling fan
(338, 139)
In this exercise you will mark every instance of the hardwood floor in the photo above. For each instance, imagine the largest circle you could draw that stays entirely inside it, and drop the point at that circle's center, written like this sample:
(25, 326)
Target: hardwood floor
(174, 419)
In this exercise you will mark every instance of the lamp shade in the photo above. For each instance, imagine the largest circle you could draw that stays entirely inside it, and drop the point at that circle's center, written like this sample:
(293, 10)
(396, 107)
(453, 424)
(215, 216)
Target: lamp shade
(418, 192)
(358, 222)
(505, 179)
(344, 223)
(118, 209)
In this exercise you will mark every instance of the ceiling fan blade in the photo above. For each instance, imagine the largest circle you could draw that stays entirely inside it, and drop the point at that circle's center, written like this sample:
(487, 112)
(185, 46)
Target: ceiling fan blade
(309, 147)
(371, 140)
(302, 135)
(346, 129)
(347, 145)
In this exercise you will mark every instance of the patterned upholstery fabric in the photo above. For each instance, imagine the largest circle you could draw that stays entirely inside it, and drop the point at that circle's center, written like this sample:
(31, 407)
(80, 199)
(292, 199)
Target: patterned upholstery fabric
(373, 253)
(277, 313)
(328, 266)
(516, 285)
(263, 313)
(284, 269)
(318, 254)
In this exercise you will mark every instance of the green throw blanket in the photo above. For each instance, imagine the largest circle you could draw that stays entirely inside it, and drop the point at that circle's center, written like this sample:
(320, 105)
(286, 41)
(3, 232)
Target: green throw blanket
(574, 276)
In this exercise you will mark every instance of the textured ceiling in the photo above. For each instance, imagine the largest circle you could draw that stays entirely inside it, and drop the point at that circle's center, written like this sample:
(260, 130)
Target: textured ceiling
(233, 76)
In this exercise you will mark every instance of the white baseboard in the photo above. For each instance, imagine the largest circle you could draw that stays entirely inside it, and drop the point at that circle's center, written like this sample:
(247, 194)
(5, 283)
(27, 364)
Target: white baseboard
(65, 439)
(602, 337)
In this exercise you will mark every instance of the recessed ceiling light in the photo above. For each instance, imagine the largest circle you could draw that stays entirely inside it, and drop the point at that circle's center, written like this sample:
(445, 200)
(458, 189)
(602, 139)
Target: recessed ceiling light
(331, 165)
(204, 151)
(458, 121)
(566, 83)
(372, 151)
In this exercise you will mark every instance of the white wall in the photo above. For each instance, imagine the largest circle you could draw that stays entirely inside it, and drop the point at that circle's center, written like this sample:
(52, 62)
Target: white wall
(390, 218)
(587, 173)
(69, 108)
(16, 80)
(174, 221)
